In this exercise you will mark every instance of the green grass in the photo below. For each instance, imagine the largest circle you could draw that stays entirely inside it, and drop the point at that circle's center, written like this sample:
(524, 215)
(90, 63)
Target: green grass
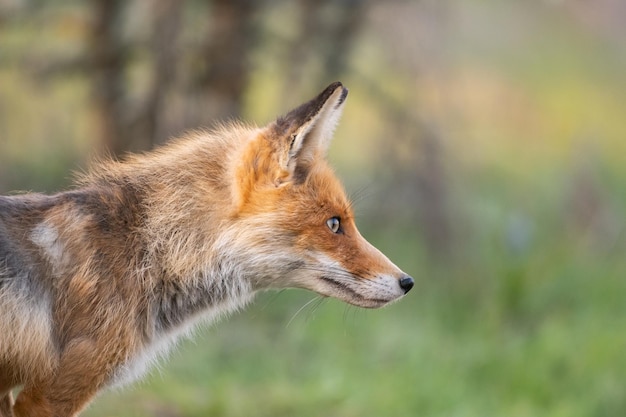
(520, 339)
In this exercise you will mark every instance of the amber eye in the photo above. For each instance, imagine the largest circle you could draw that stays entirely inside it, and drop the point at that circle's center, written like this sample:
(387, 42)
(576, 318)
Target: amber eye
(333, 224)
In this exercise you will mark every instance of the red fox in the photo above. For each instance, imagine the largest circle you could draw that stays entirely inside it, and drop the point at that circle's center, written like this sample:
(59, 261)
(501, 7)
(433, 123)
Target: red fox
(97, 282)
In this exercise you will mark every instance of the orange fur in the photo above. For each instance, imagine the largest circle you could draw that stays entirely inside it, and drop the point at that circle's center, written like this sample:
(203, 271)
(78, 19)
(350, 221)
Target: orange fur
(97, 282)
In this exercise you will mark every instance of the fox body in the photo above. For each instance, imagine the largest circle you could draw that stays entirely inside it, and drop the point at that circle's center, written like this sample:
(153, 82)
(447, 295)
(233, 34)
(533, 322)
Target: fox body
(98, 281)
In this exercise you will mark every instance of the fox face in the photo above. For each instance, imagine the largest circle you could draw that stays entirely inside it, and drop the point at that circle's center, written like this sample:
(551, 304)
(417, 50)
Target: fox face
(297, 213)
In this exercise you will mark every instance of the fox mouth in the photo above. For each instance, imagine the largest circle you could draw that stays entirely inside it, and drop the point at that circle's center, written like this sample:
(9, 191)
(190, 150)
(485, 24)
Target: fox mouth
(350, 296)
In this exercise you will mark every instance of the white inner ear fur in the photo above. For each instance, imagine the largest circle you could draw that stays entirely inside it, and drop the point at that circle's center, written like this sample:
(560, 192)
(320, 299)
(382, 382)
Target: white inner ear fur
(314, 137)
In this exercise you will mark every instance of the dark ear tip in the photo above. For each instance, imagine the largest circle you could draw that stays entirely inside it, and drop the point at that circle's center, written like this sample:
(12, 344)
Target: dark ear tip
(344, 94)
(334, 86)
(308, 110)
(328, 91)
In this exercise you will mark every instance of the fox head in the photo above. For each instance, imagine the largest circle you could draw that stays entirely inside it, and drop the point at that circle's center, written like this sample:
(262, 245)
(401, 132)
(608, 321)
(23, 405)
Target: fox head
(299, 228)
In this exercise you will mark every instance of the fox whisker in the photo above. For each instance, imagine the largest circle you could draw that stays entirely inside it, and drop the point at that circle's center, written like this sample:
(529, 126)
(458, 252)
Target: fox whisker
(314, 299)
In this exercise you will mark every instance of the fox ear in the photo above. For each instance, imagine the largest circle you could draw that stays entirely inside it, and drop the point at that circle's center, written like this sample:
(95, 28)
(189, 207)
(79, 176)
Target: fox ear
(307, 130)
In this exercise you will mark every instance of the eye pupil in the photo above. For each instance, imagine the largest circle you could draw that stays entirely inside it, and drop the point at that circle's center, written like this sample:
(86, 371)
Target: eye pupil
(333, 224)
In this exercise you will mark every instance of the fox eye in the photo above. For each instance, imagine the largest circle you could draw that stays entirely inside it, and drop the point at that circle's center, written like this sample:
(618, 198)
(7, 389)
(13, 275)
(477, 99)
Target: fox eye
(333, 224)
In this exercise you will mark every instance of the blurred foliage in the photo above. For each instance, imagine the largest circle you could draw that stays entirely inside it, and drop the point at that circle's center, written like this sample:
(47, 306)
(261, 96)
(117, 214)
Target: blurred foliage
(483, 142)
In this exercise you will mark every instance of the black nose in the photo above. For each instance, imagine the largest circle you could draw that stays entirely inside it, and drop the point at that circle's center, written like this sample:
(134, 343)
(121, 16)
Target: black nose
(406, 283)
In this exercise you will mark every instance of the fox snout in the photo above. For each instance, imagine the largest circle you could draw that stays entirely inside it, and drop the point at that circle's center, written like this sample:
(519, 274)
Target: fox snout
(363, 292)
(356, 272)
(406, 283)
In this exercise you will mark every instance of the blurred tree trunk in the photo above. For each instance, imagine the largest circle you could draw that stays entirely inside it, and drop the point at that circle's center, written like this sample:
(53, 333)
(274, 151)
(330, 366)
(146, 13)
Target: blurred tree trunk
(320, 37)
(106, 58)
(150, 126)
(216, 76)
(341, 36)
(303, 45)
(227, 55)
(123, 126)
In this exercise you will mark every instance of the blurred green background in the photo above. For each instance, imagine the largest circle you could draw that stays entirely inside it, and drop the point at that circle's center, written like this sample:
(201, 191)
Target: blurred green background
(484, 143)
